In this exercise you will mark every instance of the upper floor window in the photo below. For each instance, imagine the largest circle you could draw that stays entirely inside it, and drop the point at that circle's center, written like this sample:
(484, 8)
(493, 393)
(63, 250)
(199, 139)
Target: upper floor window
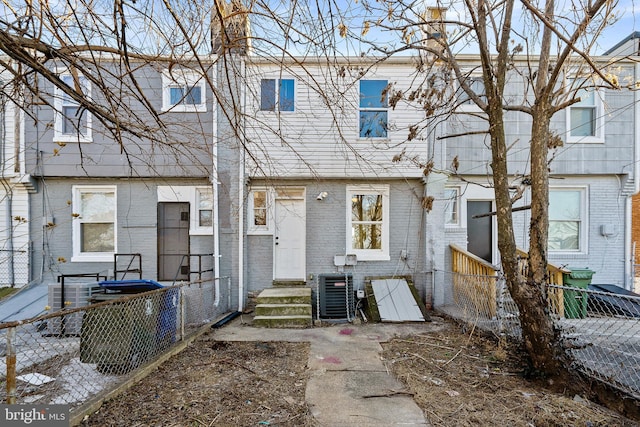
(277, 94)
(368, 222)
(476, 85)
(567, 219)
(373, 109)
(451, 214)
(73, 122)
(585, 119)
(183, 91)
(94, 223)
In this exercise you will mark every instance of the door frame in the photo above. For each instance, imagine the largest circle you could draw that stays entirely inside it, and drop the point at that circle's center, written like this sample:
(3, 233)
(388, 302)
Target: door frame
(474, 193)
(298, 194)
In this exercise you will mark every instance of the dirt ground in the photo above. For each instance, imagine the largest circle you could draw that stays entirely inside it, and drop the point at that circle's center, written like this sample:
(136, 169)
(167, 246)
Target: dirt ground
(457, 377)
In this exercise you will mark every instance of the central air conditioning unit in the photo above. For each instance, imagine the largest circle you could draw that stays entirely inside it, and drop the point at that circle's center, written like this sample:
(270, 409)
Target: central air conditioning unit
(335, 296)
(75, 295)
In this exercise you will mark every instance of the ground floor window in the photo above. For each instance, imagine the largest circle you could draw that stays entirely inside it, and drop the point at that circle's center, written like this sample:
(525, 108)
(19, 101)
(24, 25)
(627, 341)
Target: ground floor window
(368, 222)
(567, 219)
(94, 224)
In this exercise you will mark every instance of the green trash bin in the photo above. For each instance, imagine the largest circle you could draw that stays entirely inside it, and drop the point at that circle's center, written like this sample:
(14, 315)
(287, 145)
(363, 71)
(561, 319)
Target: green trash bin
(575, 302)
(119, 337)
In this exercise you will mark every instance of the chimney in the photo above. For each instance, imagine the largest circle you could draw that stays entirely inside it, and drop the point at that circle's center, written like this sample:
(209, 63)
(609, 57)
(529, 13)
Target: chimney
(230, 28)
(435, 30)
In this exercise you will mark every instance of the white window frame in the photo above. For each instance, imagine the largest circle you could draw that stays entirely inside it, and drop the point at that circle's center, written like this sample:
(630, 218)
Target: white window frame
(599, 116)
(276, 100)
(185, 79)
(583, 230)
(268, 228)
(59, 104)
(385, 108)
(381, 254)
(78, 255)
(455, 199)
(468, 104)
(196, 228)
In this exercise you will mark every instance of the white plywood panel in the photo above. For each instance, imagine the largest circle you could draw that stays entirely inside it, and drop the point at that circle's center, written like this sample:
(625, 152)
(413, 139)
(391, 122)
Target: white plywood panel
(395, 301)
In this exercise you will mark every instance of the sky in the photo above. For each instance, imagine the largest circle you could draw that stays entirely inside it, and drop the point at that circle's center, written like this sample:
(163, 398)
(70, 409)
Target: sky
(627, 23)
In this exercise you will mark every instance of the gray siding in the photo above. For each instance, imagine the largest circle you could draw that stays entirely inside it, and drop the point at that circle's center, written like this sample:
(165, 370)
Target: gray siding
(136, 233)
(321, 137)
(608, 157)
(603, 254)
(325, 237)
(181, 148)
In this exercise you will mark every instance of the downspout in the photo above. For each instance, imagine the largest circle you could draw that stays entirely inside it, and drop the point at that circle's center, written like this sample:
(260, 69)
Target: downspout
(628, 244)
(8, 191)
(241, 193)
(9, 218)
(215, 183)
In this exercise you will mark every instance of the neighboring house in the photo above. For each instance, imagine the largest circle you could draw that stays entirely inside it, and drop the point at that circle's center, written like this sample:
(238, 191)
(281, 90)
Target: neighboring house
(630, 46)
(15, 249)
(593, 177)
(152, 196)
(635, 239)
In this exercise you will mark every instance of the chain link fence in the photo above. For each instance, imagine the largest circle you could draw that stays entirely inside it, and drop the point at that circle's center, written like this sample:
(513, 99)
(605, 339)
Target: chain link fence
(14, 268)
(69, 356)
(600, 329)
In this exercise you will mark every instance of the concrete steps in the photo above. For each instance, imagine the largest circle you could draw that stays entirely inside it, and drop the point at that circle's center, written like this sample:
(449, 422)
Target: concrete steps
(283, 308)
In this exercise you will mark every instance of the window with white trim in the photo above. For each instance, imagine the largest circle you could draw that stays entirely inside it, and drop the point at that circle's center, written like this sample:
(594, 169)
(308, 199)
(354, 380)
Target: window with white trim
(451, 213)
(277, 95)
(259, 211)
(94, 223)
(72, 121)
(585, 119)
(567, 219)
(374, 111)
(476, 85)
(183, 91)
(368, 222)
(204, 206)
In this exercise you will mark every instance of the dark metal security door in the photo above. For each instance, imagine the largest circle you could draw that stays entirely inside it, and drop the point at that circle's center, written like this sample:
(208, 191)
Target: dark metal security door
(480, 230)
(173, 241)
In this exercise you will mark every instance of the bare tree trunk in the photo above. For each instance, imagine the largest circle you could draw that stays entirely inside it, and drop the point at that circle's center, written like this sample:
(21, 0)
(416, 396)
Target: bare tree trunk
(538, 332)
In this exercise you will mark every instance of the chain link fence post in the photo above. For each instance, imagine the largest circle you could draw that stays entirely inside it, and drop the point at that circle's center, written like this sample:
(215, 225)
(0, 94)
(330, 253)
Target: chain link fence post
(11, 366)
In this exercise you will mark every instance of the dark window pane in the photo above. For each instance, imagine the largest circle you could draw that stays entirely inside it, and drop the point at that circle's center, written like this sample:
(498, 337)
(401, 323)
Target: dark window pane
(206, 218)
(371, 94)
(366, 207)
(583, 121)
(72, 124)
(175, 95)
(373, 124)
(96, 237)
(194, 96)
(564, 236)
(287, 95)
(367, 236)
(268, 95)
(260, 217)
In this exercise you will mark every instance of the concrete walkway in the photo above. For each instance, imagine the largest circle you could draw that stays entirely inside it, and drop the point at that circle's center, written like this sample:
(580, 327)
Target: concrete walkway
(348, 384)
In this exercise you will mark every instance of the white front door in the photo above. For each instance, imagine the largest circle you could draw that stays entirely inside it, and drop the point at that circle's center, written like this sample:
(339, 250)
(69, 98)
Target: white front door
(289, 239)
